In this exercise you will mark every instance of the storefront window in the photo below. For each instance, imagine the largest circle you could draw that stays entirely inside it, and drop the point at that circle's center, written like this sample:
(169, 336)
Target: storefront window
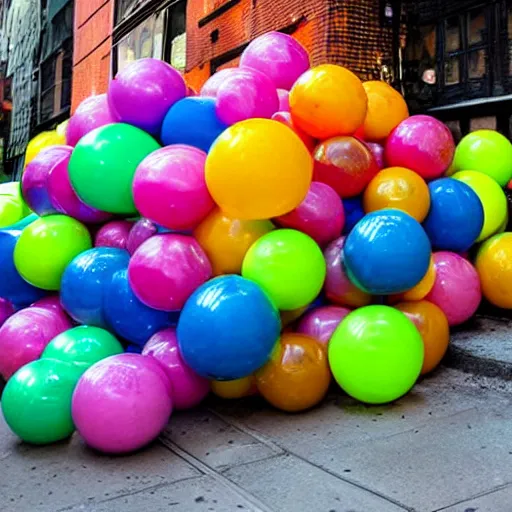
(452, 34)
(476, 27)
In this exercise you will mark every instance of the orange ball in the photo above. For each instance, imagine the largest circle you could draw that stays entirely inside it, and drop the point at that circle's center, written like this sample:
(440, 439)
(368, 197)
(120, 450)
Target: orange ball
(327, 101)
(433, 326)
(297, 375)
(421, 290)
(400, 188)
(494, 266)
(226, 241)
(234, 389)
(386, 110)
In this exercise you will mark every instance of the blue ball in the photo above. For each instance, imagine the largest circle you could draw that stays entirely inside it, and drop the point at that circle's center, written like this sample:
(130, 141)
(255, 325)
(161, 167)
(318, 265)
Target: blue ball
(456, 215)
(12, 286)
(133, 349)
(84, 282)
(192, 121)
(354, 212)
(228, 328)
(387, 252)
(128, 317)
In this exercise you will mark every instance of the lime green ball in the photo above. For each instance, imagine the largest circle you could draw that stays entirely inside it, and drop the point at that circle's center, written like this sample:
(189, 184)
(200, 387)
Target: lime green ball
(492, 197)
(288, 265)
(103, 164)
(485, 151)
(47, 246)
(83, 346)
(376, 354)
(11, 211)
(36, 402)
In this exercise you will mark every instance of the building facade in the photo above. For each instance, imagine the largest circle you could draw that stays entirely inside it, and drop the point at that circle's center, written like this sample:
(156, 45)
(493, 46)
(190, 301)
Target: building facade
(36, 48)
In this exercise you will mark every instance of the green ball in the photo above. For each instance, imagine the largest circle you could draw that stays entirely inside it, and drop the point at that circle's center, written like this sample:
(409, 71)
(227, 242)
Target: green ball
(47, 246)
(288, 265)
(376, 354)
(83, 346)
(485, 151)
(103, 164)
(36, 402)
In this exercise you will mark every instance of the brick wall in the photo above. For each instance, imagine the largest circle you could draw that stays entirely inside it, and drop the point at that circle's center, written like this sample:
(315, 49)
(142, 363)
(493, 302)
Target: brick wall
(92, 46)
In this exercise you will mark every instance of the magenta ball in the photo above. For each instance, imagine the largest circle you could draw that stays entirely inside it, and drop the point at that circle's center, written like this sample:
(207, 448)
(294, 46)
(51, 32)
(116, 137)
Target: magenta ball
(52, 303)
(113, 234)
(320, 215)
(211, 86)
(24, 336)
(282, 58)
(141, 231)
(377, 150)
(122, 403)
(284, 102)
(166, 269)
(34, 182)
(456, 289)
(422, 144)
(337, 287)
(169, 187)
(245, 94)
(143, 92)
(6, 310)
(92, 113)
(65, 200)
(188, 388)
(322, 322)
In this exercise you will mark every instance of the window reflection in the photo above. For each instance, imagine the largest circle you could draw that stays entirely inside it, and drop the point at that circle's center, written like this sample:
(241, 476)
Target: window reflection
(452, 34)
(477, 64)
(476, 27)
(452, 71)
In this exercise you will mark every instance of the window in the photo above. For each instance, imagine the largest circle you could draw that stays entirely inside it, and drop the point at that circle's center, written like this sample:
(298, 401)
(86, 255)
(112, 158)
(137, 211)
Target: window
(161, 35)
(456, 51)
(55, 84)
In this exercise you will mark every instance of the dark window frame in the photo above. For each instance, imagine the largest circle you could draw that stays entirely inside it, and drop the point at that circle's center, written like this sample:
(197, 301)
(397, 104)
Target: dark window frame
(145, 11)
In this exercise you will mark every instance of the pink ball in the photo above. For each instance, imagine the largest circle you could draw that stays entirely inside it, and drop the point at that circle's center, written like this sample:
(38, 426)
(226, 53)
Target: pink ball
(188, 388)
(166, 269)
(52, 303)
(423, 144)
(378, 153)
(92, 113)
(320, 215)
(24, 336)
(143, 92)
(286, 118)
(65, 200)
(246, 94)
(141, 231)
(122, 403)
(282, 58)
(322, 322)
(338, 287)
(169, 187)
(211, 86)
(456, 288)
(34, 182)
(284, 103)
(6, 310)
(113, 234)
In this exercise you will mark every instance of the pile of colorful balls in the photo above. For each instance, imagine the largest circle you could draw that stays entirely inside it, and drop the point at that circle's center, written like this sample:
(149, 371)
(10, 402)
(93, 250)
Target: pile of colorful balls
(285, 226)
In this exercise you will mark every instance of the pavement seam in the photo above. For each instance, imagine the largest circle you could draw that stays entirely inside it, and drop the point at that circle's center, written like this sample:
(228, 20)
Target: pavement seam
(126, 494)
(259, 436)
(480, 495)
(258, 505)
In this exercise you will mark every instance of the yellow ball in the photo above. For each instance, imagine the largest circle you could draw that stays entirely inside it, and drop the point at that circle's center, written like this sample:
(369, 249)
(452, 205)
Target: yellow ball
(47, 246)
(400, 188)
(42, 141)
(258, 169)
(234, 389)
(494, 266)
(492, 197)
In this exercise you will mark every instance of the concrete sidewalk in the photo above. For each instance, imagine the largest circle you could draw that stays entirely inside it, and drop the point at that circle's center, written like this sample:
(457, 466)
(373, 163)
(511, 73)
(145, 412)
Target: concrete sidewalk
(446, 446)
